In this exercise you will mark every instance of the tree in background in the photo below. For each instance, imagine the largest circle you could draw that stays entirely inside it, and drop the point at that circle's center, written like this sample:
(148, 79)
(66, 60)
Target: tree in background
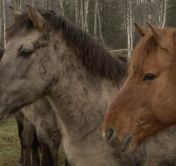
(171, 13)
(109, 21)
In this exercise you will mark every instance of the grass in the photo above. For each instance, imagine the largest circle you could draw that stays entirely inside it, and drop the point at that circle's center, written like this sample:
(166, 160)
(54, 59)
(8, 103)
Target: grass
(10, 144)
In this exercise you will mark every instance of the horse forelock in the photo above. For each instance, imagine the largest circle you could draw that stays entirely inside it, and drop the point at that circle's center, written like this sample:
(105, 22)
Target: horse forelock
(96, 59)
(145, 48)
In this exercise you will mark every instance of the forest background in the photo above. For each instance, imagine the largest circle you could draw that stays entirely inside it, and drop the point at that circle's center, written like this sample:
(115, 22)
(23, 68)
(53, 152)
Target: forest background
(109, 21)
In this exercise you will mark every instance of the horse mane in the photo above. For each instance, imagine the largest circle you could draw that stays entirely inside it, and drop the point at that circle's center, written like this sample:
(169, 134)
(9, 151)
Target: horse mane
(94, 56)
(2, 50)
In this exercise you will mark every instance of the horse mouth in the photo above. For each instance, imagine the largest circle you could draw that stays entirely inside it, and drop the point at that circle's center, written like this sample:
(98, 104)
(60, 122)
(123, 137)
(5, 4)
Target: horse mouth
(121, 145)
(125, 145)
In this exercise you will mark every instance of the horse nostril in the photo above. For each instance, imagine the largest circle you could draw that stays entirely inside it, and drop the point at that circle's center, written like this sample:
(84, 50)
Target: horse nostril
(111, 134)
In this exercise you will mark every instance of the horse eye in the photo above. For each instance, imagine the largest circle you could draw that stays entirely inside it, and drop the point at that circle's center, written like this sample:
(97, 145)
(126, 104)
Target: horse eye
(149, 77)
(26, 53)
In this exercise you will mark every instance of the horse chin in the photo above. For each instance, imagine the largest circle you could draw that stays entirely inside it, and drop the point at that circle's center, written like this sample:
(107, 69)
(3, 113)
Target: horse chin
(124, 145)
(5, 114)
(127, 146)
(10, 110)
(131, 147)
(4, 117)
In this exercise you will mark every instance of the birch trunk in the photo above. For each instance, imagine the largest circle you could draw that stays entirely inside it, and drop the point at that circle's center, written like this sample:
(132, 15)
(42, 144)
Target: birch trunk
(99, 23)
(4, 21)
(20, 6)
(131, 27)
(61, 6)
(128, 28)
(86, 6)
(81, 15)
(48, 5)
(43, 4)
(149, 10)
(164, 13)
(76, 12)
(15, 4)
(95, 21)
(33, 3)
(1, 24)
(160, 11)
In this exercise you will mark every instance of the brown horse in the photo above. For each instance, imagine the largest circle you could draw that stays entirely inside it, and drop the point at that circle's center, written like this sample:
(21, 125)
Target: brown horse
(146, 102)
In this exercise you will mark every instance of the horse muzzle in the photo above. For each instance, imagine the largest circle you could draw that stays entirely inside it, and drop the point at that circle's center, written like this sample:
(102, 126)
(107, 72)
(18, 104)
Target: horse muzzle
(111, 137)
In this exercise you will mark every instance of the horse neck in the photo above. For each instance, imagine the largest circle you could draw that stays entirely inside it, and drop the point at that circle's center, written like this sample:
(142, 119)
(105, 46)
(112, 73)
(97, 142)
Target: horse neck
(80, 97)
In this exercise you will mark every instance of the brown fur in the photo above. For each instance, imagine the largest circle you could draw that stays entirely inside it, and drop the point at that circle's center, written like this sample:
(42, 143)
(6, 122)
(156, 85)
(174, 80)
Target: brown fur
(145, 48)
(145, 106)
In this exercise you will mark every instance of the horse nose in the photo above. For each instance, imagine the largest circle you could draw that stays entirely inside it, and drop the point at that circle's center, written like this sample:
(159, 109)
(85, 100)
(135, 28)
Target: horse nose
(111, 134)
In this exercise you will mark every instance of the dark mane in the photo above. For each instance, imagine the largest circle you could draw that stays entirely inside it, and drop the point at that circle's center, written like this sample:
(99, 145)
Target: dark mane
(96, 59)
(1, 53)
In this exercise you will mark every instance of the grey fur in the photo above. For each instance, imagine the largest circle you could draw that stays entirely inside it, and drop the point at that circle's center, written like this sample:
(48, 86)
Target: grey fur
(42, 117)
(162, 149)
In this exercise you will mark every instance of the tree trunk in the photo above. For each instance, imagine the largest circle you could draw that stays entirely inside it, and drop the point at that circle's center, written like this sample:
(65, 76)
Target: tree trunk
(128, 28)
(86, 6)
(48, 5)
(76, 12)
(4, 21)
(131, 27)
(95, 21)
(61, 6)
(1, 24)
(99, 23)
(82, 15)
(164, 13)
(149, 10)
(32, 3)
(20, 6)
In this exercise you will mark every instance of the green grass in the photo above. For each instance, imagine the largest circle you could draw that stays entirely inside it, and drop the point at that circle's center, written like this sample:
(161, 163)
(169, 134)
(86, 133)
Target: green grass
(10, 144)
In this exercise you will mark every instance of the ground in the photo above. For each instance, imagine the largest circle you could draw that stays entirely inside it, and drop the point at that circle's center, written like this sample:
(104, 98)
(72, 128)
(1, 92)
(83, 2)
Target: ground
(10, 144)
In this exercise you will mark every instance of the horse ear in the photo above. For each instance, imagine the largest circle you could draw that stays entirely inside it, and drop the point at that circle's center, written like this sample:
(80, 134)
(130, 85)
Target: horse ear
(162, 36)
(141, 30)
(36, 18)
(14, 12)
